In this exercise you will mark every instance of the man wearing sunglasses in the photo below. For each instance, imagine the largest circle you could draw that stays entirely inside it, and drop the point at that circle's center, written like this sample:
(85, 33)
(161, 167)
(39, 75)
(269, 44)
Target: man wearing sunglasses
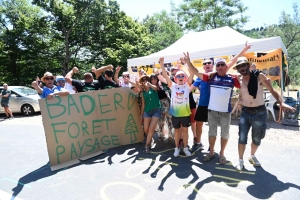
(106, 81)
(49, 90)
(219, 107)
(126, 78)
(202, 111)
(254, 113)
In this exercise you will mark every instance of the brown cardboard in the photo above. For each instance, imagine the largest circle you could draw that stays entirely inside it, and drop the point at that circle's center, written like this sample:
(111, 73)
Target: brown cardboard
(82, 124)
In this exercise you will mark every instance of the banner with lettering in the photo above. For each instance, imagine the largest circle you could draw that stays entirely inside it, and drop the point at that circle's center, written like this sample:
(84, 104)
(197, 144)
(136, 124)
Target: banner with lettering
(269, 63)
(81, 124)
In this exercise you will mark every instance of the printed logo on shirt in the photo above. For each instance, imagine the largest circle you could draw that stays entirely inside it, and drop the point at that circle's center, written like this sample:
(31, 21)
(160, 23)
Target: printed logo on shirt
(85, 89)
(180, 95)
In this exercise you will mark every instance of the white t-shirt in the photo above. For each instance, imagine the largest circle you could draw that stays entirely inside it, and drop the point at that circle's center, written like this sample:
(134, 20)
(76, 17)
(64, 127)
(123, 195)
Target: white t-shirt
(180, 104)
(69, 88)
(128, 85)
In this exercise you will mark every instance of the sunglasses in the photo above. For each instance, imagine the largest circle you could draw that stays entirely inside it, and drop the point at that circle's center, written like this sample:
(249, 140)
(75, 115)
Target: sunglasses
(60, 81)
(49, 79)
(180, 76)
(207, 63)
(144, 79)
(241, 66)
(125, 76)
(220, 65)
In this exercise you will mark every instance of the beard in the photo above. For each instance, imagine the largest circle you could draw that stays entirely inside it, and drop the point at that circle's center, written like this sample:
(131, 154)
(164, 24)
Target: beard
(244, 71)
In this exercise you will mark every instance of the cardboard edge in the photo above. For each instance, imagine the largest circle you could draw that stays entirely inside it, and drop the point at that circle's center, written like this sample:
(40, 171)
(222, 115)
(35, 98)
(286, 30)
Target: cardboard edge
(64, 164)
(91, 155)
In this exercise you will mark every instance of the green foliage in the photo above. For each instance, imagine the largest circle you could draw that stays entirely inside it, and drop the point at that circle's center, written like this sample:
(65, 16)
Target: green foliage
(164, 30)
(22, 47)
(288, 29)
(199, 15)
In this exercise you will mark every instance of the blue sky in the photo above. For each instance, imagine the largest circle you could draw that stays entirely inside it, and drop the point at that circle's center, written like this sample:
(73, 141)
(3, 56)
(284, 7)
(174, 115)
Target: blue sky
(261, 12)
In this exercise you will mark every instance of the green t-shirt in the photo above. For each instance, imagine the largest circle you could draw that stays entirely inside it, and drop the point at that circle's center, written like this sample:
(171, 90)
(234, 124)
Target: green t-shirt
(151, 100)
(5, 99)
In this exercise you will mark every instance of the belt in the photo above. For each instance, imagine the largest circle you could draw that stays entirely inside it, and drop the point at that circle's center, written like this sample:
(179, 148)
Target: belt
(254, 109)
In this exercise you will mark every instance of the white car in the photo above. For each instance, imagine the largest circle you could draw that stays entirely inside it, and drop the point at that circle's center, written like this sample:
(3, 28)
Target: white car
(22, 100)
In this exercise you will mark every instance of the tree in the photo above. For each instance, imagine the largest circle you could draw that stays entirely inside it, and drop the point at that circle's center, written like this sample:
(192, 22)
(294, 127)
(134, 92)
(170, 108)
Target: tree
(164, 30)
(200, 15)
(23, 30)
(289, 30)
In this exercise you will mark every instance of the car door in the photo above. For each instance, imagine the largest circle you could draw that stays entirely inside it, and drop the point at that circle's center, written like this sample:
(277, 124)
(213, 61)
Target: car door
(14, 102)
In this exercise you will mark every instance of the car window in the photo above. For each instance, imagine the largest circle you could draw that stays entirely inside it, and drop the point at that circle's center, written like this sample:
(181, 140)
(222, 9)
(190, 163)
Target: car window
(25, 91)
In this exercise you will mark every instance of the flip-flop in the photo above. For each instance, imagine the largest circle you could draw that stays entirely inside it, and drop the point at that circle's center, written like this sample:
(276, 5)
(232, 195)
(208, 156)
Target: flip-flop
(222, 160)
(208, 157)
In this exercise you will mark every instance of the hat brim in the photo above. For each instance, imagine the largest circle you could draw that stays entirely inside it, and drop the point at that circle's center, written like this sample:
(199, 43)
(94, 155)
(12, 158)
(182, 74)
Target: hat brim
(43, 78)
(144, 76)
(243, 62)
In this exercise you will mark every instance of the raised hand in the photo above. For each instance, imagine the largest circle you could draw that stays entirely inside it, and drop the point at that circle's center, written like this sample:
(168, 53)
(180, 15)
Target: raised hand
(94, 69)
(161, 60)
(75, 70)
(247, 46)
(182, 60)
(110, 67)
(118, 69)
(186, 57)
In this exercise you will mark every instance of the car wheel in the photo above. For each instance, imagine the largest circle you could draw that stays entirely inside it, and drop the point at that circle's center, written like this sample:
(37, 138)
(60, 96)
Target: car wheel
(27, 110)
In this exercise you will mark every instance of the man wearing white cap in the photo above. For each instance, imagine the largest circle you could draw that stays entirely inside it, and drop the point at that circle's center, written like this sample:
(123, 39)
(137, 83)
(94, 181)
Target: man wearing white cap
(219, 107)
(126, 78)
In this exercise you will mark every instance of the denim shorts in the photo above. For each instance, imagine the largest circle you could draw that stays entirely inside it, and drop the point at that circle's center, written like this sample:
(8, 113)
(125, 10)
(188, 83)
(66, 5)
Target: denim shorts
(153, 113)
(256, 120)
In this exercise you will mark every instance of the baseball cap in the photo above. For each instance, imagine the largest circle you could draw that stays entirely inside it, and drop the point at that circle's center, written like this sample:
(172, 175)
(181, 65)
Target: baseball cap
(220, 60)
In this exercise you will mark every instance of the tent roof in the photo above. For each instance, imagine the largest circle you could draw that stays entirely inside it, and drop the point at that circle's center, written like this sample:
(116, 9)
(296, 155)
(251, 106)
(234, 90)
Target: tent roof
(211, 43)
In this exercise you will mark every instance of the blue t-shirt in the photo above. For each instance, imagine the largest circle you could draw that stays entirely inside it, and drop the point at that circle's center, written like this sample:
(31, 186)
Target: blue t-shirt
(204, 92)
(47, 91)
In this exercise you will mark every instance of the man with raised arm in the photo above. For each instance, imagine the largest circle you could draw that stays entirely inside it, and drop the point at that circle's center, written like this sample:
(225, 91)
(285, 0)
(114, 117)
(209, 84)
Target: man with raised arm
(254, 113)
(219, 107)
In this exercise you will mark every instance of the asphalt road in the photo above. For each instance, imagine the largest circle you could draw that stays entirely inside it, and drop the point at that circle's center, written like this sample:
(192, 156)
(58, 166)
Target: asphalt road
(127, 172)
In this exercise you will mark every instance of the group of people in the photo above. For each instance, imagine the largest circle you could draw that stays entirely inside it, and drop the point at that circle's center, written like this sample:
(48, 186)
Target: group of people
(165, 97)
(214, 106)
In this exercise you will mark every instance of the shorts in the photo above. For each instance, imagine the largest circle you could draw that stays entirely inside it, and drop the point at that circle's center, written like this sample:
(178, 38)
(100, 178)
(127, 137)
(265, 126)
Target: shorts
(201, 114)
(255, 118)
(5, 105)
(192, 116)
(153, 113)
(224, 118)
(178, 121)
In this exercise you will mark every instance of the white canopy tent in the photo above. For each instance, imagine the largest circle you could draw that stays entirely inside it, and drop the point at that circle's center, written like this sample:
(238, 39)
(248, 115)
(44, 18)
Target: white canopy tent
(211, 43)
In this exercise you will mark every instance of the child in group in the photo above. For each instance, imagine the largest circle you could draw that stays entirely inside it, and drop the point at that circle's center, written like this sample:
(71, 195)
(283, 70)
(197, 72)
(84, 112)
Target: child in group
(179, 108)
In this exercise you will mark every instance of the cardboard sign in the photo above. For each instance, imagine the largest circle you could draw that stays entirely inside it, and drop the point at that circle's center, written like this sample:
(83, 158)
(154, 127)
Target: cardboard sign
(83, 124)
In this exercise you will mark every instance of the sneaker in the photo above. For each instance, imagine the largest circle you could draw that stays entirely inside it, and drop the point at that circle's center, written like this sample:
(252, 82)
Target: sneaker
(253, 160)
(147, 149)
(187, 152)
(6, 117)
(196, 147)
(240, 166)
(176, 152)
(11, 117)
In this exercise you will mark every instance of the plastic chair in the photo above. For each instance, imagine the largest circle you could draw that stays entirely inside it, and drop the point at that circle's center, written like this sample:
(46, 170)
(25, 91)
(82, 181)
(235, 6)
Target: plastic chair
(269, 105)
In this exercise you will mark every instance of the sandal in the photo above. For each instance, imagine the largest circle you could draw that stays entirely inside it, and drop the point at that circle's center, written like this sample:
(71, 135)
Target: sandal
(147, 149)
(222, 160)
(208, 157)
